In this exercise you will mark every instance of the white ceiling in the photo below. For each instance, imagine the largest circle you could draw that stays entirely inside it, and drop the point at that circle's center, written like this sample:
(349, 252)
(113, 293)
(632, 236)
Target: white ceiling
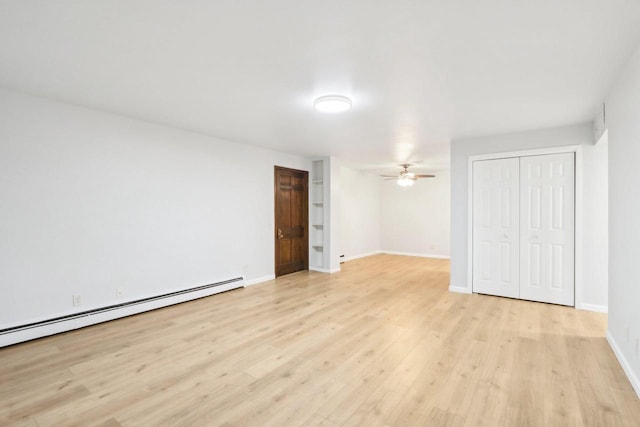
(419, 72)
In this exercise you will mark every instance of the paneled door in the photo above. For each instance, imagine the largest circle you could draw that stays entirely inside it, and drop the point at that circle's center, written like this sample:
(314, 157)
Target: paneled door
(291, 213)
(547, 228)
(496, 227)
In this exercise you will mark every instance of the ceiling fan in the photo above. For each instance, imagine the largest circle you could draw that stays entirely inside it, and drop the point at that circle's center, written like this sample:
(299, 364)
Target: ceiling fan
(406, 178)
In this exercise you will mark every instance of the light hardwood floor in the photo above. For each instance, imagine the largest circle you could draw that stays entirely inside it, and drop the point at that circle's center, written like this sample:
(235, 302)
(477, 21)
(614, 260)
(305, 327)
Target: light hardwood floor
(381, 343)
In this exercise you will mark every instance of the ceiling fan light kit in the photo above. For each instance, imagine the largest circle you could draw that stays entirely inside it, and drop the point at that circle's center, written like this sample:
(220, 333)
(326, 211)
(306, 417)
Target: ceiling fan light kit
(405, 181)
(332, 104)
(406, 178)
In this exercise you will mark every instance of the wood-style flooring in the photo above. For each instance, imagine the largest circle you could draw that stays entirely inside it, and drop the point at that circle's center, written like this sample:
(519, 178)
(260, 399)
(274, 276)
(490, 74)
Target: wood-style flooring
(382, 343)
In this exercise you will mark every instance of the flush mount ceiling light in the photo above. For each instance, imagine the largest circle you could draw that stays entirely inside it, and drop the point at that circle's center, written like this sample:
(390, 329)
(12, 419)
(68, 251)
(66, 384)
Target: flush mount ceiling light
(332, 104)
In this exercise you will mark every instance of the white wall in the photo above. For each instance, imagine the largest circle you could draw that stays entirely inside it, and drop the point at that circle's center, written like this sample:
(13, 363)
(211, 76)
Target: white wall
(92, 201)
(595, 216)
(623, 121)
(359, 224)
(333, 220)
(594, 271)
(416, 220)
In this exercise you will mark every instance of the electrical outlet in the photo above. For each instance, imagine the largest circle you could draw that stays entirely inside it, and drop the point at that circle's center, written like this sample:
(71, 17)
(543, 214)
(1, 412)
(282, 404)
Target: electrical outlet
(119, 292)
(77, 300)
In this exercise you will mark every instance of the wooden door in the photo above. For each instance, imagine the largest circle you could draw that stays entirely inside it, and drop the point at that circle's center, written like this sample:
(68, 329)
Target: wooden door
(291, 224)
(547, 228)
(496, 227)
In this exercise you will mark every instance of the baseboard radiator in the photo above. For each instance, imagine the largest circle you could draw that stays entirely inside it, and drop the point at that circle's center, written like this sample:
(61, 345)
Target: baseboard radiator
(55, 325)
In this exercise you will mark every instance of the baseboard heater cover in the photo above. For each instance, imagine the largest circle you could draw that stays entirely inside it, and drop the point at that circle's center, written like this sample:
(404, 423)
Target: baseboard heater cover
(20, 333)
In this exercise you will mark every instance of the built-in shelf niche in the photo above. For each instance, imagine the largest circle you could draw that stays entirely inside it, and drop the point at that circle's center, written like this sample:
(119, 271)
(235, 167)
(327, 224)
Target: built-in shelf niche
(316, 216)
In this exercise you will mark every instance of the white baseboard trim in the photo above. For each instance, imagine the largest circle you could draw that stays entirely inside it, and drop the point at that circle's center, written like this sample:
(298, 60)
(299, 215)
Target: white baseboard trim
(633, 379)
(436, 256)
(324, 270)
(352, 257)
(459, 289)
(259, 280)
(70, 324)
(593, 307)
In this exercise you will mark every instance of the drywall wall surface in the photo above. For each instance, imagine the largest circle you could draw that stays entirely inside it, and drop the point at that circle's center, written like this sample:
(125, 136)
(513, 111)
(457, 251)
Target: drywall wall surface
(416, 219)
(92, 202)
(360, 224)
(335, 199)
(623, 111)
(595, 217)
(594, 169)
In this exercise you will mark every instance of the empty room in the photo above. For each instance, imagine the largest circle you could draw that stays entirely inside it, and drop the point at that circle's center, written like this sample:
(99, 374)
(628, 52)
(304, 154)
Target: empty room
(336, 213)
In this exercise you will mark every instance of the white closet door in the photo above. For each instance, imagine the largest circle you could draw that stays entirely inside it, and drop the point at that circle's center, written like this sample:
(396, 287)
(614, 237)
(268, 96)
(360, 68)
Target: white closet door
(547, 228)
(496, 227)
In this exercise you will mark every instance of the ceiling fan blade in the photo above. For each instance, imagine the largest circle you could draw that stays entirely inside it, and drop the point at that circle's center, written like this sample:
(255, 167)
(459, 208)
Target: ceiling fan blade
(425, 176)
(389, 179)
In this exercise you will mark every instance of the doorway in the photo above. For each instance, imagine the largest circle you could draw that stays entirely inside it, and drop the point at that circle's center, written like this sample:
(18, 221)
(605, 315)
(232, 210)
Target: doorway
(291, 224)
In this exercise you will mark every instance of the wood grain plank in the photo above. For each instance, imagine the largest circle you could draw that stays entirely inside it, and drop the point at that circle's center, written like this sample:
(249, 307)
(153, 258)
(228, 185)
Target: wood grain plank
(382, 343)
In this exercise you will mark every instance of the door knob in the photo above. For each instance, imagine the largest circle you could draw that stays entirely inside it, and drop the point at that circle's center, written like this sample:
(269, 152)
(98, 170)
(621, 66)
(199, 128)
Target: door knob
(280, 236)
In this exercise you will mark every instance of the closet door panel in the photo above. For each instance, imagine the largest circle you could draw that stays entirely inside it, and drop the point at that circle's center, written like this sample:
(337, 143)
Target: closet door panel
(547, 228)
(496, 227)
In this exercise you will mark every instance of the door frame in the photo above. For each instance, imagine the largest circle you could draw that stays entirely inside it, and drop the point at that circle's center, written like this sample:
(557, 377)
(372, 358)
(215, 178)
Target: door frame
(305, 214)
(578, 245)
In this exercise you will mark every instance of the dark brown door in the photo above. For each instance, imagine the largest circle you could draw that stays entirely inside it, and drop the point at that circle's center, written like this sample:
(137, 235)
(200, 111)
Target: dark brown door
(291, 234)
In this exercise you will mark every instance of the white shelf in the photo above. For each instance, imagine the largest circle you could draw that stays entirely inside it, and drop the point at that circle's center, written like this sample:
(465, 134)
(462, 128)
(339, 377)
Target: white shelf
(316, 215)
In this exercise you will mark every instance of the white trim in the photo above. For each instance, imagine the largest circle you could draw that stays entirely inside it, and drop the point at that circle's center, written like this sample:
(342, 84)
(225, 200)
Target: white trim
(436, 256)
(633, 379)
(579, 191)
(352, 257)
(470, 222)
(81, 322)
(525, 153)
(577, 149)
(459, 289)
(324, 270)
(593, 307)
(259, 280)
